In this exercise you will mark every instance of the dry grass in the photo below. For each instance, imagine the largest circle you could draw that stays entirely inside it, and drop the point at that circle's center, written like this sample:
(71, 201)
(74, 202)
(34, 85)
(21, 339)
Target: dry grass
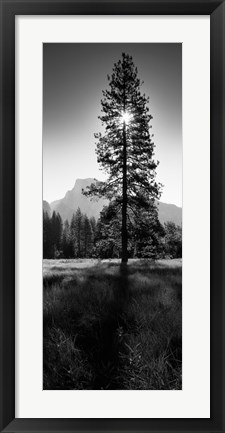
(112, 327)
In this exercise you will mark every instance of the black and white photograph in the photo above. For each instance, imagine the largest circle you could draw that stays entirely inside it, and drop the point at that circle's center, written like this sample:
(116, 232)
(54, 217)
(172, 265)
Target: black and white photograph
(112, 216)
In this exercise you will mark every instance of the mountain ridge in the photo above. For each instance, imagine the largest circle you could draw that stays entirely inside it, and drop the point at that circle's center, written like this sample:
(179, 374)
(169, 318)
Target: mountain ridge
(92, 207)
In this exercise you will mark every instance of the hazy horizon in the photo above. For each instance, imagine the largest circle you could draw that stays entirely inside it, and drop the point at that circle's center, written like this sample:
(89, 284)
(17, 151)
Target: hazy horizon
(74, 76)
(79, 178)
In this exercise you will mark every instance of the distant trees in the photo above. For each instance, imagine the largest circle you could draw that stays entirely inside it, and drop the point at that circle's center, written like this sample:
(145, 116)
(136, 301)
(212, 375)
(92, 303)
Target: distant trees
(76, 228)
(67, 244)
(74, 240)
(173, 240)
(47, 240)
(52, 235)
(125, 150)
(85, 237)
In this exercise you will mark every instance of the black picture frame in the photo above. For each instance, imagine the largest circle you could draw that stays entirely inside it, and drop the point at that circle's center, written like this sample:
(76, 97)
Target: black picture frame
(9, 9)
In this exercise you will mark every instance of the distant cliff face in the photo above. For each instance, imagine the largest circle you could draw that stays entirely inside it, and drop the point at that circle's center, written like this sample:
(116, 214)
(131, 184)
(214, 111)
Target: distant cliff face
(92, 207)
(74, 199)
(170, 212)
(46, 207)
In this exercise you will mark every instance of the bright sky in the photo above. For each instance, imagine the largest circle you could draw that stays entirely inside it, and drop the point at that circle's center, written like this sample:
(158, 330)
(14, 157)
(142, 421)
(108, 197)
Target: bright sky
(74, 76)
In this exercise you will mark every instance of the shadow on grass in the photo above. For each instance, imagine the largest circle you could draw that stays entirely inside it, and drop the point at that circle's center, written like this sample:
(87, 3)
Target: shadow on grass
(89, 310)
(113, 326)
(103, 342)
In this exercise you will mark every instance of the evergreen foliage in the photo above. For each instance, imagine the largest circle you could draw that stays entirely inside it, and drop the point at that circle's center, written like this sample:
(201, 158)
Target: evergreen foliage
(148, 234)
(125, 150)
(74, 240)
(86, 238)
(173, 240)
(108, 238)
(52, 234)
(47, 241)
(67, 245)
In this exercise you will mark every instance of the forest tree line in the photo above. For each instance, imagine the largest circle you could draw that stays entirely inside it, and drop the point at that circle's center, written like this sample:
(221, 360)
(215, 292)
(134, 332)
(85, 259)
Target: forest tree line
(85, 237)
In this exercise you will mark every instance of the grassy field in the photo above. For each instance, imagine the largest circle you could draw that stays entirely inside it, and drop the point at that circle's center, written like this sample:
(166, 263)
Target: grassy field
(107, 326)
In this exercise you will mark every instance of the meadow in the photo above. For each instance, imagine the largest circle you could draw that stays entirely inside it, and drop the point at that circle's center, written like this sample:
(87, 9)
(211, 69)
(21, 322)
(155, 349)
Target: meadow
(109, 326)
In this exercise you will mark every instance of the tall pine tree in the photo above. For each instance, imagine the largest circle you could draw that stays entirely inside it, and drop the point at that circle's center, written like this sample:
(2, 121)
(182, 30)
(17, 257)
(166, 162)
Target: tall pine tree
(125, 149)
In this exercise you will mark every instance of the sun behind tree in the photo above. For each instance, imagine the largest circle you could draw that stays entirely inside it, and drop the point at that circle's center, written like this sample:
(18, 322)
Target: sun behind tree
(125, 150)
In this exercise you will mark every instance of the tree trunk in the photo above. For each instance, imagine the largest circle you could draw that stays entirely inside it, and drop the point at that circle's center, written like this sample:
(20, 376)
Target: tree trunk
(124, 206)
